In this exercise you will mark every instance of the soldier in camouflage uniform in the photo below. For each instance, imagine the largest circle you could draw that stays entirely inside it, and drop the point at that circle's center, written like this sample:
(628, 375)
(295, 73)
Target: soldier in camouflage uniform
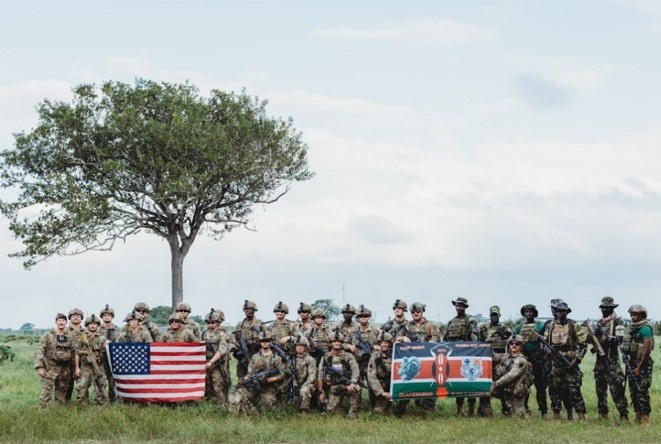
(512, 378)
(379, 371)
(339, 386)
(347, 326)
(75, 328)
(109, 331)
(363, 341)
(184, 309)
(152, 328)
(133, 331)
(53, 360)
(283, 330)
(419, 329)
(607, 368)
(177, 331)
(247, 331)
(399, 323)
(319, 335)
(531, 330)
(90, 355)
(496, 334)
(267, 390)
(219, 345)
(304, 322)
(462, 327)
(569, 341)
(306, 373)
(638, 344)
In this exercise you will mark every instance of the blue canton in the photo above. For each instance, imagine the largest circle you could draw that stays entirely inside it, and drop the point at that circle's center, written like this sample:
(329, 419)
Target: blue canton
(129, 358)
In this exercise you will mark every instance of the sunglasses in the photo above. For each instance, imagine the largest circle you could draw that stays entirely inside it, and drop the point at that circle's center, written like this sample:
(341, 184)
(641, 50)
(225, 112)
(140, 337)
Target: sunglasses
(211, 322)
(518, 344)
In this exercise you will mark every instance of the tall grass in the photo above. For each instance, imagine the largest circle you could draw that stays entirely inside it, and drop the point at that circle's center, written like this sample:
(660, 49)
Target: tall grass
(22, 421)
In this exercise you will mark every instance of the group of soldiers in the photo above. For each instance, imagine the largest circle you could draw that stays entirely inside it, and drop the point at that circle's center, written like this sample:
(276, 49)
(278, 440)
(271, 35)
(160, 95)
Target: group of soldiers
(319, 367)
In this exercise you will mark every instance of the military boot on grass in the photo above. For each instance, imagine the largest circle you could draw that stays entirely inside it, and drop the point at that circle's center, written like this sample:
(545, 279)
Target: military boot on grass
(645, 419)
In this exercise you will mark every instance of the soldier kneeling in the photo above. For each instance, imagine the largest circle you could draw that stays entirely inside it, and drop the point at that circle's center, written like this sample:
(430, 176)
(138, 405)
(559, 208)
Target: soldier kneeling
(513, 377)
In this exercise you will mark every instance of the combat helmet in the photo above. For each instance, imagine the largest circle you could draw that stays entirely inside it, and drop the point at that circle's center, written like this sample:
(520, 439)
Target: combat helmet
(92, 319)
(141, 306)
(76, 311)
(302, 340)
(281, 307)
(318, 312)
(304, 307)
(530, 307)
(363, 311)
(399, 303)
(249, 304)
(516, 338)
(107, 309)
(133, 315)
(384, 336)
(176, 317)
(60, 316)
(214, 315)
(418, 306)
(265, 335)
(637, 308)
(182, 306)
(348, 308)
(336, 335)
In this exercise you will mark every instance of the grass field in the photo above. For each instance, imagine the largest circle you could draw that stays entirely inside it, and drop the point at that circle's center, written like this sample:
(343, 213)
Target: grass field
(22, 421)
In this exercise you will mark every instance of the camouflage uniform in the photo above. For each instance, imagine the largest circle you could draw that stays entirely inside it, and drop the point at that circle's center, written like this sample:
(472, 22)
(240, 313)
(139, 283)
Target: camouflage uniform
(512, 379)
(306, 376)
(109, 331)
(533, 352)
(181, 335)
(346, 363)
(141, 335)
(55, 355)
(363, 355)
(319, 338)
(462, 328)
(497, 335)
(242, 400)
(194, 328)
(281, 329)
(378, 379)
(244, 330)
(633, 347)
(91, 355)
(218, 379)
(153, 330)
(568, 340)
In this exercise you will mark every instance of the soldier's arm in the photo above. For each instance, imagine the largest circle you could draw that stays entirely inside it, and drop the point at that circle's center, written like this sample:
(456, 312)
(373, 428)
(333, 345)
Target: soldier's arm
(518, 367)
(647, 334)
(312, 371)
(372, 379)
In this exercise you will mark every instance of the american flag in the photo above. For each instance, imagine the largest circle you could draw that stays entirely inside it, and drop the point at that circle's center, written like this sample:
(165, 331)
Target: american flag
(158, 372)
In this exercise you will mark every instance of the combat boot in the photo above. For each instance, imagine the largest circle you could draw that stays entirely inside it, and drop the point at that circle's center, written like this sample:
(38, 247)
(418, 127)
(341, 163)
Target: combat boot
(581, 416)
(471, 410)
(570, 415)
(624, 417)
(556, 416)
(645, 419)
(603, 415)
(638, 417)
(460, 410)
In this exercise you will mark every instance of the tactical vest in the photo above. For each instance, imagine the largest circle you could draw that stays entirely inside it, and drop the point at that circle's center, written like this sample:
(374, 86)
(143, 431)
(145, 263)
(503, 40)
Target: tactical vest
(498, 344)
(330, 378)
(520, 387)
(563, 337)
(632, 343)
(459, 329)
(61, 349)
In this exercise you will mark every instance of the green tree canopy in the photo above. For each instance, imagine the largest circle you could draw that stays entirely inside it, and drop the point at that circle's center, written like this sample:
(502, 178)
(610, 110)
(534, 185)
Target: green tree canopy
(332, 311)
(149, 157)
(160, 314)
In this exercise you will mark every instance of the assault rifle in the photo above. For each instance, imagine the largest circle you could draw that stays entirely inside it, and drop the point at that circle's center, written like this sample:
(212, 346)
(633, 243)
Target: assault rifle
(318, 352)
(341, 377)
(255, 380)
(364, 348)
(627, 368)
(403, 327)
(388, 325)
(595, 340)
(292, 391)
(243, 353)
(556, 354)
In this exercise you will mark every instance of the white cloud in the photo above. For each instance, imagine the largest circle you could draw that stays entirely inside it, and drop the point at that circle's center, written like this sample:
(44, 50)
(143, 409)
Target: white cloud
(431, 32)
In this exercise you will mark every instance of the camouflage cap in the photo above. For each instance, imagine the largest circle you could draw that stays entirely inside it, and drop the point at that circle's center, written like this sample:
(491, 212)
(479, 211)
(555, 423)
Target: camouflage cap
(608, 302)
(400, 303)
(554, 302)
(494, 310)
(92, 319)
(76, 311)
(529, 307)
(418, 306)
(107, 309)
(304, 307)
(562, 306)
(460, 301)
(348, 308)
(281, 307)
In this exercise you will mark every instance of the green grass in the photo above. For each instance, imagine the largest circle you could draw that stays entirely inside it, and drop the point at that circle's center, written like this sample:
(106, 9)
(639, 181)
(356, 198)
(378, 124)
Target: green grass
(22, 421)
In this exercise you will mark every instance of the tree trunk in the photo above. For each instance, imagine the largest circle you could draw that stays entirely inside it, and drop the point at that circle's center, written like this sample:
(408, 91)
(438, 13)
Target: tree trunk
(177, 269)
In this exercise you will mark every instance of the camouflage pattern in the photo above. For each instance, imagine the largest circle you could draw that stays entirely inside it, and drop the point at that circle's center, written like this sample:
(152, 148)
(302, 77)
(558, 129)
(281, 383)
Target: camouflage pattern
(180, 335)
(568, 340)
(140, 335)
(541, 367)
(395, 326)
(369, 337)
(111, 333)
(319, 341)
(345, 362)
(462, 328)
(306, 376)
(378, 379)
(512, 378)
(280, 329)
(55, 355)
(193, 327)
(633, 346)
(608, 373)
(426, 331)
(76, 331)
(244, 329)
(91, 356)
(242, 401)
(347, 329)
(153, 330)
(218, 379)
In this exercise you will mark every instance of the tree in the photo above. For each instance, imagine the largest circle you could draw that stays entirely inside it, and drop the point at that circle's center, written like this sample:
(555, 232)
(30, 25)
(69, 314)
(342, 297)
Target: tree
(27, 327)
(332, 311)
(148, 157)
(160, 314)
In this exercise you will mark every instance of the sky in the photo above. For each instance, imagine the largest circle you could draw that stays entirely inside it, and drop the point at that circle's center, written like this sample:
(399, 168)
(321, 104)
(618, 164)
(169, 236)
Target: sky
(508, 152)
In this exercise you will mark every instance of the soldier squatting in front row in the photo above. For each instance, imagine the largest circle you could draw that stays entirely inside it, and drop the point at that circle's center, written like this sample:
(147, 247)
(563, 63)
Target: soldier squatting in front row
(320, 367)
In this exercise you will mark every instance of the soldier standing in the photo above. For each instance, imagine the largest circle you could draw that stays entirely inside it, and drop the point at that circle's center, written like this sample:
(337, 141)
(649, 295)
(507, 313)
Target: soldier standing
(177, 332)
(347, 326)
(53, 361)
(304, 322)
(109, 331)
(184, 310)
(283, 331)
(338, 370)
(396, 325)
(638, 345)
(568, 341)
(75, 328)
(512, 378)
(607, 368)
(531, 330)
(462, 327)
(90, 355)
(378, 373)
(319, 335)
(152, 328)
(133, 331)
(218, 348)
(363, 341)
(246, 334)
